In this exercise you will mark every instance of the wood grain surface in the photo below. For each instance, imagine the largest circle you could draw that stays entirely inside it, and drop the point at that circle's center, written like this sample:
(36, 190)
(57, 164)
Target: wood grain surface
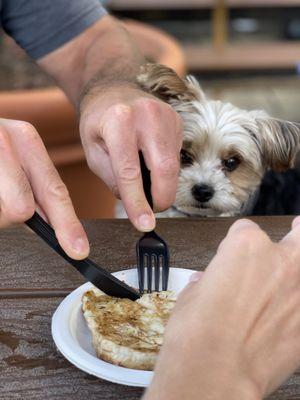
(30, 365)
(34, 281)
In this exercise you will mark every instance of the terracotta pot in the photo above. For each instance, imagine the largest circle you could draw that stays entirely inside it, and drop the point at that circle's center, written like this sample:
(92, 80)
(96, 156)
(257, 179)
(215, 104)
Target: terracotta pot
(54, 118)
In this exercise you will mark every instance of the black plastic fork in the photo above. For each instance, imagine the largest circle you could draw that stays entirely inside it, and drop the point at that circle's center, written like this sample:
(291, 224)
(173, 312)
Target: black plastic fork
(152, 251)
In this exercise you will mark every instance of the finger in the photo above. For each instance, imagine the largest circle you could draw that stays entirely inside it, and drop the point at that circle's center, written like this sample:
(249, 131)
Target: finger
(16, 198)
(49, 190)
(161, 143)
(123, 151)
(99, 162)
(291, 241)
(242, 235)
(242, 224)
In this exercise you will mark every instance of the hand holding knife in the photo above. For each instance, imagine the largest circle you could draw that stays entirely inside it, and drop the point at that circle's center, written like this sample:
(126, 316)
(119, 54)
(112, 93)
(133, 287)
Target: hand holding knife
(101, 278)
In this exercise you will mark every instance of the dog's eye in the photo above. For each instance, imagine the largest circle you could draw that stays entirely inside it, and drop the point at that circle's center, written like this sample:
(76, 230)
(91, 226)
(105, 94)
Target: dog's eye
(185, 158)
(231, 163)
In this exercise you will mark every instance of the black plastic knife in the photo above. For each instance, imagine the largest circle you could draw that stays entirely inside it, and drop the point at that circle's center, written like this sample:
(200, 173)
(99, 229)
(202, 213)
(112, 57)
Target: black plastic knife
(101, 278)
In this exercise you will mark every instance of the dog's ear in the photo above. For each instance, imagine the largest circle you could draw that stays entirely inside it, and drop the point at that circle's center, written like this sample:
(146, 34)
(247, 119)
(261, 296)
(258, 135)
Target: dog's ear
(279, 141)
(164, 83)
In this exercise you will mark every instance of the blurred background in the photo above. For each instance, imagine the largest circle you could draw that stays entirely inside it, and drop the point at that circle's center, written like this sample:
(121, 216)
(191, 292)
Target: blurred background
(243, 51)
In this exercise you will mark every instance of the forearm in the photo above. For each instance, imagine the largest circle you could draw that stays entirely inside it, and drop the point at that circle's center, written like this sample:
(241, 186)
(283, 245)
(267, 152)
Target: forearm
(103, 55)
(204, 392)
(203, 366)
(204, 385)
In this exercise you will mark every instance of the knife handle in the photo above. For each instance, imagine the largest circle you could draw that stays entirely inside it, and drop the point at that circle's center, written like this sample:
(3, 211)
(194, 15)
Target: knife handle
(146, 180)
(46, 232)
(99, 276)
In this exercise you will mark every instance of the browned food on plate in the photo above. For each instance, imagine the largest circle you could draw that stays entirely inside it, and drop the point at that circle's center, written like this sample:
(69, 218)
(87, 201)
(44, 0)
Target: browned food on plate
(125, 332)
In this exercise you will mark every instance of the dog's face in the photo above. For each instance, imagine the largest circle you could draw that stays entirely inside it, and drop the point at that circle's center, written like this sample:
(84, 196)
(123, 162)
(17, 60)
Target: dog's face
(220, 162)
(225, 150)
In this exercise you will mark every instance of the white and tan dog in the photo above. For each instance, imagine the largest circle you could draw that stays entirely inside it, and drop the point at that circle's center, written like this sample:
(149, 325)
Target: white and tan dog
(226, 150)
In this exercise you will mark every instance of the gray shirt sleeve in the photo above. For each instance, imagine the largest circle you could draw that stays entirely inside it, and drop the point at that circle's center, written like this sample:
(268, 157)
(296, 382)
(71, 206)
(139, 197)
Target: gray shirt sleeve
(41, 26)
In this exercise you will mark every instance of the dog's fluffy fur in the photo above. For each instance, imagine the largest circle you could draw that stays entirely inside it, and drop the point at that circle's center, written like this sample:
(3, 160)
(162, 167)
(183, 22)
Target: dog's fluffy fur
(225, 148)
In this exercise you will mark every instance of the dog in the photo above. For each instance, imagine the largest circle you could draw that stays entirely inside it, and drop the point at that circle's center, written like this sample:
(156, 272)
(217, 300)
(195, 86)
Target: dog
(226, 150)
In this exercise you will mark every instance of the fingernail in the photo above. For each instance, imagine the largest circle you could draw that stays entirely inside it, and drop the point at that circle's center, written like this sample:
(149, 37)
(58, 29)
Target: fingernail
(196, 276)
(146, 222)
(80, 246)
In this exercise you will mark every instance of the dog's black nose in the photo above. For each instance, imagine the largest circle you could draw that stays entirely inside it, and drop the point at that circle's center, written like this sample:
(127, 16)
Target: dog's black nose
(202, 193)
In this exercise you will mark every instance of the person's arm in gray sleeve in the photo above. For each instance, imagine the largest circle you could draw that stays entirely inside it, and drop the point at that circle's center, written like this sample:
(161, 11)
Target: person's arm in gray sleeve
(40, 27)
(97, 69)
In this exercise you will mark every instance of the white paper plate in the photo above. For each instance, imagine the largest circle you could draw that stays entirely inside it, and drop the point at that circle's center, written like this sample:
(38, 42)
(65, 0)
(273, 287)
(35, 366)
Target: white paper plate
(73, 339)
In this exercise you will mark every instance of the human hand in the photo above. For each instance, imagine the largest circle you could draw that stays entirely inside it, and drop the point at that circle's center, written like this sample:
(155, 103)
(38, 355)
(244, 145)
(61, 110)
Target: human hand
(29, 180)
(115, 124)
(235, 332)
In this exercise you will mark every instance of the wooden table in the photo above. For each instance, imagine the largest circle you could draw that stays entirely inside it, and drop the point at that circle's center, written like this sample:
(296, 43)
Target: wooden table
(34, 280)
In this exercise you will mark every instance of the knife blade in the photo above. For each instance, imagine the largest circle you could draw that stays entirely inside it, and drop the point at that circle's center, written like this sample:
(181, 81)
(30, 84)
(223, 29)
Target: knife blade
(101, 278)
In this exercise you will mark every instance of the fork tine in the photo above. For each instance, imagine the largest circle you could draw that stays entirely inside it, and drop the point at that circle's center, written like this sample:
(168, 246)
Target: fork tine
(151, 245)
(156, 271)
(149, 272)
(141, 269)
(165, 271)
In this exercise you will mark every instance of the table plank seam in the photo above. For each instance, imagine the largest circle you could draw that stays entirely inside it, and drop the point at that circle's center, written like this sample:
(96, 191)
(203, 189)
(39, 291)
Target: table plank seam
(29, 293)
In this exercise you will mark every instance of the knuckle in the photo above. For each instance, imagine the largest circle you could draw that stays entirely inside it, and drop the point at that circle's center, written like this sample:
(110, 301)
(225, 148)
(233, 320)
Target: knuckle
(57, 190)
(22, 211)
(28, 133)
(128, 173)
(239, 223)
(27, 130)
(23, 206)
(115, 191)
(151, 106)
(122, 111)
(168, 166)
(251, 238)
